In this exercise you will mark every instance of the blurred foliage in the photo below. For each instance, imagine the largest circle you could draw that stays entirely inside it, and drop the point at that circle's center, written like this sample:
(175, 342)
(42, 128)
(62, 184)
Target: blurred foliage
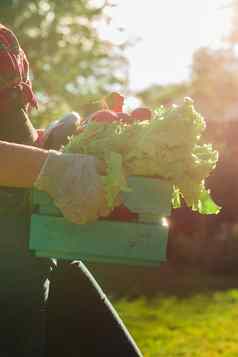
(215, 83)
(164, 95)
(215, 76)
(233, 36)
(71, 66)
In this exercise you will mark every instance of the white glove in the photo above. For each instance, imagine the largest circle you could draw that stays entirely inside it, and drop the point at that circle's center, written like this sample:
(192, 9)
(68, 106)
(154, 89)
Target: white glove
(58, 132)
(74, 183)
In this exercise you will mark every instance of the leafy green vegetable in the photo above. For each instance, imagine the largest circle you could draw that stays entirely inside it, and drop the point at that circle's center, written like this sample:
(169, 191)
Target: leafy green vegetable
(115, 178)
(167, 146)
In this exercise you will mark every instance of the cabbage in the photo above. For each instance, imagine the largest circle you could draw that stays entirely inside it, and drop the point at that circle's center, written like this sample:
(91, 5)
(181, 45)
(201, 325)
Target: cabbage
(168, 146)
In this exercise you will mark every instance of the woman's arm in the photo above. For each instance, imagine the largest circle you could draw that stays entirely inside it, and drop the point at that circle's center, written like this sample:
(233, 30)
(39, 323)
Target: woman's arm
(72, 180)
(20, 164)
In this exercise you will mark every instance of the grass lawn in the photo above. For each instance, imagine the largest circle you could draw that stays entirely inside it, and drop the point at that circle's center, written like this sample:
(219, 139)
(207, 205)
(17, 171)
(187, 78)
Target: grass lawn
(202, 325)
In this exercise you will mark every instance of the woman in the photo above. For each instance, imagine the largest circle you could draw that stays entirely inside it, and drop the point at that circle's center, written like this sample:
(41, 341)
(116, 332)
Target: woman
(74, 182)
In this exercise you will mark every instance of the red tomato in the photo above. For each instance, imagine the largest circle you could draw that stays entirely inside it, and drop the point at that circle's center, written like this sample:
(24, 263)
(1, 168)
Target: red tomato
(141, 114)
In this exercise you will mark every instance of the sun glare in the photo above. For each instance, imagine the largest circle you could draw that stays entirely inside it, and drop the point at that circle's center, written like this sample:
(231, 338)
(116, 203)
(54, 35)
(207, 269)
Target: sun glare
(165, 34)
(164, 222)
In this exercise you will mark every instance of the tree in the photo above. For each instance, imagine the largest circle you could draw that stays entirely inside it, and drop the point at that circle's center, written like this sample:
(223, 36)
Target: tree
(215, 82)
(215, 76)
(232, 39)
(157, 95)
(71, 65)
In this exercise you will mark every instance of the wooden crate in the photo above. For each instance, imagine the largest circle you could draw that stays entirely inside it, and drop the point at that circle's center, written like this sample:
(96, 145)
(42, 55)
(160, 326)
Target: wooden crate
(136, 243)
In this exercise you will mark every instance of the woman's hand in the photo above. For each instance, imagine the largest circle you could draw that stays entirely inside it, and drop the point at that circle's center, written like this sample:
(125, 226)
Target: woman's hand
(59, 131)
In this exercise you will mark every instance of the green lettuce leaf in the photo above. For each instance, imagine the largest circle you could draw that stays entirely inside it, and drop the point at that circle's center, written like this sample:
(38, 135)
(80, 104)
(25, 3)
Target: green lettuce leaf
(168, 146)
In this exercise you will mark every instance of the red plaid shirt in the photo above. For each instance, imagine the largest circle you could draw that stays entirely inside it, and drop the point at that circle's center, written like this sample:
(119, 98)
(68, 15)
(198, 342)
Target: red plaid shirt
(15, 86)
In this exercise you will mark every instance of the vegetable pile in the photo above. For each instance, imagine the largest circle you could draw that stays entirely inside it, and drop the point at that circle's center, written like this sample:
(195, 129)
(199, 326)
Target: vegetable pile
(164, 143)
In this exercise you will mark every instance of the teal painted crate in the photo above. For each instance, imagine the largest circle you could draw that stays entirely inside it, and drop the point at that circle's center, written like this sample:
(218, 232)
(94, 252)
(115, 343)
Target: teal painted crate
(136, 243)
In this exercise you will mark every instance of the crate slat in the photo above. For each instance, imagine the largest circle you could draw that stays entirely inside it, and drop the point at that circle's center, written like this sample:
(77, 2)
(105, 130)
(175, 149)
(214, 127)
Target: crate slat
(133, 243)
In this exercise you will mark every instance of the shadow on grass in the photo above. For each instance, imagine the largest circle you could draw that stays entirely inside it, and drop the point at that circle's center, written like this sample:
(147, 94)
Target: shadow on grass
(168, 279)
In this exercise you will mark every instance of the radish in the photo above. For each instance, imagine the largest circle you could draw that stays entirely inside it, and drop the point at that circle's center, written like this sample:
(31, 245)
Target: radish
(141, 114)
(124, 117)
(114, 101)
(122, 213)
(104, 116)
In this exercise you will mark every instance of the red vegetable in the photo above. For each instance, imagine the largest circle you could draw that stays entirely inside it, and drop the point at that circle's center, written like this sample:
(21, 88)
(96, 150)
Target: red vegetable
(142, 113)
(126, 118)
(122, 213)
(104, 116)
(114, 101)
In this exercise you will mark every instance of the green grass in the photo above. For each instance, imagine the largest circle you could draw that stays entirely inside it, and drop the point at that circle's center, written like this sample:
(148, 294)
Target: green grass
(204, 325)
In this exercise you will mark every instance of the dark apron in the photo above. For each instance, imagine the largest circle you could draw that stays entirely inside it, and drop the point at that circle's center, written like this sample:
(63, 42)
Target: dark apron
(24, 285)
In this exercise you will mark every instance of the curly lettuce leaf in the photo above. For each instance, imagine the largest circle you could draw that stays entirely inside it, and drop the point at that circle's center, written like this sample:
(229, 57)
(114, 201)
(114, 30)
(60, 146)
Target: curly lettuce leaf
(167, 146)
(115, 180)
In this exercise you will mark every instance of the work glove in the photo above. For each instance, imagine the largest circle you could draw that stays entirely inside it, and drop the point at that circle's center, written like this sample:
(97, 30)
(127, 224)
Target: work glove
(59, 131)
(73, 181)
